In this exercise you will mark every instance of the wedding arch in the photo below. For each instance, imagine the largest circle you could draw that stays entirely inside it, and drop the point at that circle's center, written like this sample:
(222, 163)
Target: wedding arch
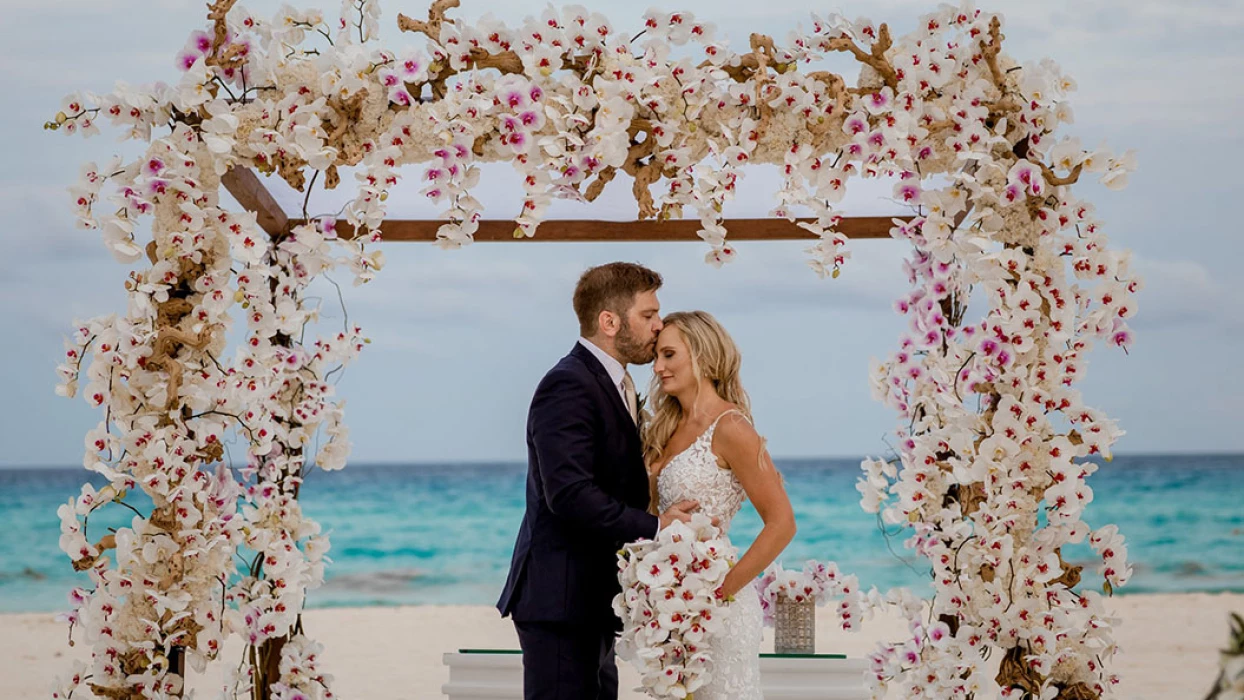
(990, 471)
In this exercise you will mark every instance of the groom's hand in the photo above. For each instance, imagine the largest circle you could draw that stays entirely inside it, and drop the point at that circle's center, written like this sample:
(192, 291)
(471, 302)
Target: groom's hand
(681, 511)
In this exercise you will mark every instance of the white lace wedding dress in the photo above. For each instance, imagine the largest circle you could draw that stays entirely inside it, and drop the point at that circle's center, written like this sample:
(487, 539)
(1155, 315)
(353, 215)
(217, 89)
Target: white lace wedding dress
(693, 474)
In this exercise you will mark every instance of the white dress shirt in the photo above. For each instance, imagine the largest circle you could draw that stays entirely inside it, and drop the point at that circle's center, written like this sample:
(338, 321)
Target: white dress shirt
(615, 369)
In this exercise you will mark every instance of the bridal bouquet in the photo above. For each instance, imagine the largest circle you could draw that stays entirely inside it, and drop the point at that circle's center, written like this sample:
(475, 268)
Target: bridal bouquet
(668, 605)
(820, 582)
(1230, 682)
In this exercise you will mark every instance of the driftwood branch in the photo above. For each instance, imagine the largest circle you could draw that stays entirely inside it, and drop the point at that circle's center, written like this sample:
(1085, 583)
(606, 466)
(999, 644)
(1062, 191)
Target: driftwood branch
(604, 177)
(645, 173)
(835, 87)
(168, 342)
(348, 112)
(764, 51)
(227, 58)
(991, 50)
(875, 57)
(1008, 102)
(1056, 181)
(841, 103)
(436, 17)
(506, 61)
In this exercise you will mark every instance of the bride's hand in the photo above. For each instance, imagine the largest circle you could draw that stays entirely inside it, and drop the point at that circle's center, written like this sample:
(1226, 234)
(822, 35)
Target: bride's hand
(730, 586)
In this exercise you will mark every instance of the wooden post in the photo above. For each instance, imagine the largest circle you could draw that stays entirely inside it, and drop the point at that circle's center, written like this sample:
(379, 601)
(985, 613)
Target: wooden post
(247, 188)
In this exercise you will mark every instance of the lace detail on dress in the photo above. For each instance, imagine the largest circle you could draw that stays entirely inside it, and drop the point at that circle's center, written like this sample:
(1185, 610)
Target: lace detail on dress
(693, 474)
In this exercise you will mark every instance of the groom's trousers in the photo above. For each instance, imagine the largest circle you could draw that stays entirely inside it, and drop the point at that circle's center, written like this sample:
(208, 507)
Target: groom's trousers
(567, 661)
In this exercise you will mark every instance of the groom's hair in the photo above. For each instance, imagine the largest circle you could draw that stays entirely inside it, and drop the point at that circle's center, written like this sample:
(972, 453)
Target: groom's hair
(610, 287)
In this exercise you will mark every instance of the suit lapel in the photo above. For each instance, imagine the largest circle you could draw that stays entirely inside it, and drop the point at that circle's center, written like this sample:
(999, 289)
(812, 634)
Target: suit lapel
(621, 414)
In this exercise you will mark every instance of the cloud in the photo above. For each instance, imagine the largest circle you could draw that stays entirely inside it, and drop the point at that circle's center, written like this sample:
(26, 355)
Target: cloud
(1159, 91)
(1180, 293)
(41, 302)
(432, 286)
(46, 234)
(508, 283)
(769, 276)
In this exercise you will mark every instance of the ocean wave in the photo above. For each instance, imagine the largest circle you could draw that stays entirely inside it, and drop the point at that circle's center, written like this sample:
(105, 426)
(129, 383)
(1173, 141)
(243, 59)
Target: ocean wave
(386, 581)
(26, 574)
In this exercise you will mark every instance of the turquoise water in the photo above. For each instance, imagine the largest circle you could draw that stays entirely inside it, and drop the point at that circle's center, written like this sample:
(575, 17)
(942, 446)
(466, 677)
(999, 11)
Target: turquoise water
(427, 534)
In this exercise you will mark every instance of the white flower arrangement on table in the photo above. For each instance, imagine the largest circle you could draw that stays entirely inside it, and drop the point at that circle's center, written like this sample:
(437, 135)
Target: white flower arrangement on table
(671, 591)
(814, 583)
(822, 583)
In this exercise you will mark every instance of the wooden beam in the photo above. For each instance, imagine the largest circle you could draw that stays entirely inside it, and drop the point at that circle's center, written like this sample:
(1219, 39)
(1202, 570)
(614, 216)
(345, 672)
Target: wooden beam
(582, 230)
(248, 189)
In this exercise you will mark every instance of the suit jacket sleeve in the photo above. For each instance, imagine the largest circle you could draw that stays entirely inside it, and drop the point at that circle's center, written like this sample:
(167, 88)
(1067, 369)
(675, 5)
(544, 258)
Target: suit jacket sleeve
(563, 436)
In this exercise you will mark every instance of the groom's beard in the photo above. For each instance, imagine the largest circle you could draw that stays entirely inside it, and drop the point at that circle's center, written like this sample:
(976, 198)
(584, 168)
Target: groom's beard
(632, 349)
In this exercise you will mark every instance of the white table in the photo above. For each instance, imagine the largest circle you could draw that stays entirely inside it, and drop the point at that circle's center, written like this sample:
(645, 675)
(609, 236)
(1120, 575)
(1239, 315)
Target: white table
(494, 674)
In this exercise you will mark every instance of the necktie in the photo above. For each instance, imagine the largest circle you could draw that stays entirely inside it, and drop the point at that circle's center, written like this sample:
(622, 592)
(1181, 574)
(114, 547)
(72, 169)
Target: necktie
(628, 390)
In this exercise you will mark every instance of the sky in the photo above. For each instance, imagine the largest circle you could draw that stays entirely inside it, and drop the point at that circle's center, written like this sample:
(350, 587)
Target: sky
(460, 338)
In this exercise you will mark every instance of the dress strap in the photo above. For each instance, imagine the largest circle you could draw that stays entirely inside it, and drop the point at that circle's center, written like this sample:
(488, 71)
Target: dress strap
(713, 427)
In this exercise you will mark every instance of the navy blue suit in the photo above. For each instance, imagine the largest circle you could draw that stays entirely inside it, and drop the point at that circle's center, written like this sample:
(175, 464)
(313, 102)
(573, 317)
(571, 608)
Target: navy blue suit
(587, 495)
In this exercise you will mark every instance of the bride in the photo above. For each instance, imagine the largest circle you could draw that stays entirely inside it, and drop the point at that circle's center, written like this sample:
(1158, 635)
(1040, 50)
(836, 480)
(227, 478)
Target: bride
(700, 446)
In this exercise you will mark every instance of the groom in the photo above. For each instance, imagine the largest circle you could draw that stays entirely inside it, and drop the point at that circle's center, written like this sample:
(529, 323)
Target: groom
(587, 491)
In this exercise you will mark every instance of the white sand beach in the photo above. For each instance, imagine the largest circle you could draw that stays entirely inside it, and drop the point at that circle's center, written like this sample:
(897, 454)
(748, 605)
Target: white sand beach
(1169, 647)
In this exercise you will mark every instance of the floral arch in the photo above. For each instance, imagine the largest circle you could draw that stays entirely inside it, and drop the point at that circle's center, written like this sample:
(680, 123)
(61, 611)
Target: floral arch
(990, 473)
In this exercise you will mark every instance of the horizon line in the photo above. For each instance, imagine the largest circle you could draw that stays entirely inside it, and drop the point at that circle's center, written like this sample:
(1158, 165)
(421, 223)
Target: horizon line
(484, 461)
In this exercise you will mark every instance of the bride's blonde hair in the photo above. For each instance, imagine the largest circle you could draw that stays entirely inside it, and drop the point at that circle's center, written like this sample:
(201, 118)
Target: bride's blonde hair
(713, 356)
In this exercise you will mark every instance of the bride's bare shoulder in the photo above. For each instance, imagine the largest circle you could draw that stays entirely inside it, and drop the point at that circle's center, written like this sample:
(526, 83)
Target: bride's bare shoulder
(734, 418)
(735, 437)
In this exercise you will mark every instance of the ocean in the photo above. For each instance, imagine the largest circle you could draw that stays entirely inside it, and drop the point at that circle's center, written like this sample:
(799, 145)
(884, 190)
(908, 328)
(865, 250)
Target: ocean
(443, 533)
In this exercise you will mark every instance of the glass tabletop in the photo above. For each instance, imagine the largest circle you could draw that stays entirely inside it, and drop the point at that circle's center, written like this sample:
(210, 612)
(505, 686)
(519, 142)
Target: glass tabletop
(763, 656)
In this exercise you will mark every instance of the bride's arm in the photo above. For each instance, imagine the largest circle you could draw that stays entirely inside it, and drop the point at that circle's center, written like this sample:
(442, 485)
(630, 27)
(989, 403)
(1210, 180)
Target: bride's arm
(742, 449)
